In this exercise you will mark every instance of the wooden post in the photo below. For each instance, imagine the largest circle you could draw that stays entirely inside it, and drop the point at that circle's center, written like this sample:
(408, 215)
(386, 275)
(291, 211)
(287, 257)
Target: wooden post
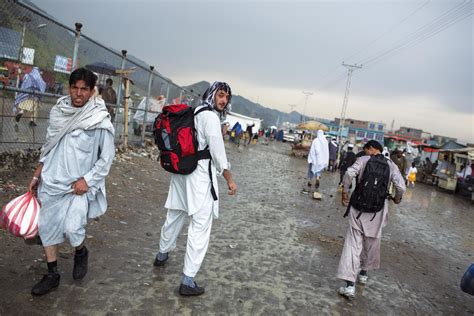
(125, 115)
(126, 82)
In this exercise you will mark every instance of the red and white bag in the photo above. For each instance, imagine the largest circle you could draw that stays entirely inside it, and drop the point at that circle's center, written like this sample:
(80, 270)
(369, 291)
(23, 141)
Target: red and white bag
(20, 216)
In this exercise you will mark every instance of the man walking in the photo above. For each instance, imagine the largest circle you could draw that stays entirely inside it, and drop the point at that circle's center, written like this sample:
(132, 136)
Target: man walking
(70, 178)
(333, 147)
(367, 210)
(195, 195)
(110, 97)
(318, 158)
(401, 162)
(347, 160)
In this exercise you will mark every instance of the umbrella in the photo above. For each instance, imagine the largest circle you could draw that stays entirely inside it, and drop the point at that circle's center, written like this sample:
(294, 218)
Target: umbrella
(312, 126)
(102, 68)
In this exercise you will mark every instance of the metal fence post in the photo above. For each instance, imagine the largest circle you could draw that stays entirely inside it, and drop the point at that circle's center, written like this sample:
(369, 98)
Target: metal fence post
(76, 45)
(168, 92)
(119, 90)
(147, 102)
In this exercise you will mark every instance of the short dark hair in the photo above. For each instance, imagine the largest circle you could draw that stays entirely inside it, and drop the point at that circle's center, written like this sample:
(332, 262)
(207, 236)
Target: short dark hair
(83, 74)
(109, 81)
(366, 146)
(374, 144)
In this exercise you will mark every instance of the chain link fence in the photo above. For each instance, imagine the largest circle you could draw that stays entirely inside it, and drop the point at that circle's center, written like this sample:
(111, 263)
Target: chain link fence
(30, 38)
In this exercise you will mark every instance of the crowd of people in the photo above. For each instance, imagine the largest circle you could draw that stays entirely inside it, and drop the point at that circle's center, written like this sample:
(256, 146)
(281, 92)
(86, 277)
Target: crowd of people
(69, 181)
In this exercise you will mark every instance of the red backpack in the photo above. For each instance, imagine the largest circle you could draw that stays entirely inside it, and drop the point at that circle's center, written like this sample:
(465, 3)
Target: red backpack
(176, 139)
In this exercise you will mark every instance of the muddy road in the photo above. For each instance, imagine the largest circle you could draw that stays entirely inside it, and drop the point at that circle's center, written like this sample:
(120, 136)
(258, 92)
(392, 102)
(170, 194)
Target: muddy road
(273, 250)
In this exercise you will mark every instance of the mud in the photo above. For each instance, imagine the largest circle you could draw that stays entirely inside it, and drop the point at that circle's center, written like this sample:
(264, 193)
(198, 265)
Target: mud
(274, 250)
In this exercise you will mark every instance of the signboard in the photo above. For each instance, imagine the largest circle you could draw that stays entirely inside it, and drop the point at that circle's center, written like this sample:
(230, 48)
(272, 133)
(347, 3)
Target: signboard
(63, 64)
(28, 56)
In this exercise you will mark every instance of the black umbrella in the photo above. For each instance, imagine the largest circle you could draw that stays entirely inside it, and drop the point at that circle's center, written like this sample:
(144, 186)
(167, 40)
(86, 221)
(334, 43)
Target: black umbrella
(102, 68)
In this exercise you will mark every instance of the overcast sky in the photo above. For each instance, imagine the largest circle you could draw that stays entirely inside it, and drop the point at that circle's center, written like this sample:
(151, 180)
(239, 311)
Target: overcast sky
(271, 51)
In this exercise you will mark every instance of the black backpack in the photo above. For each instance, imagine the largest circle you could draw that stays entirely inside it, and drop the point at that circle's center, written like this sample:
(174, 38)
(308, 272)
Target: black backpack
(372, 190)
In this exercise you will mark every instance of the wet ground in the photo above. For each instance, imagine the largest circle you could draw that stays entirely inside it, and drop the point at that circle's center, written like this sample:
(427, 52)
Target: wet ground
(274, 250)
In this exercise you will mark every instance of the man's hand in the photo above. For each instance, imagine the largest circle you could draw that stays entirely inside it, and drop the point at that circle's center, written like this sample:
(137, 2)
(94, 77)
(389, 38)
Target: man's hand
(80, 187)
(33, 186)
(232, 187)
(397, 200)
(345, 198)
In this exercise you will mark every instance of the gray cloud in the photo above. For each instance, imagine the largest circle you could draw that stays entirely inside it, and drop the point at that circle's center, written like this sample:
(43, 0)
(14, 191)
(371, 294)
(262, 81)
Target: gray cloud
(290, 44)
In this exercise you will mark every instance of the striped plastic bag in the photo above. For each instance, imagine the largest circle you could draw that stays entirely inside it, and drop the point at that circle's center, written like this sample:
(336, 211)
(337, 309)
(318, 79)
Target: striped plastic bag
(20, 216)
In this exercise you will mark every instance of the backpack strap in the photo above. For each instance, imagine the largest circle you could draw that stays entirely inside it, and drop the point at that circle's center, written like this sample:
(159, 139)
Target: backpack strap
(347, 210)
(206, 154)
(204, 108)
(213, 191)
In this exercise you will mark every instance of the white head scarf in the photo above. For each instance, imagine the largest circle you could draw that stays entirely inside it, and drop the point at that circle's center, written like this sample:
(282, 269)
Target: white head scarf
(319, 153)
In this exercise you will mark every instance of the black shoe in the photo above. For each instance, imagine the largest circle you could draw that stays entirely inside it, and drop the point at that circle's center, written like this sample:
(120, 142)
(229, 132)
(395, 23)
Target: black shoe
(160, 263)
(191, 291)
(33, 124)
(48, 283)
(80, 265)
(18, 117)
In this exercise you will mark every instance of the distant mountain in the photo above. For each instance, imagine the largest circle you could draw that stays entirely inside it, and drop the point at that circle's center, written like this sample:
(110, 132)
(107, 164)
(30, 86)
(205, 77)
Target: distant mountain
(246, 107)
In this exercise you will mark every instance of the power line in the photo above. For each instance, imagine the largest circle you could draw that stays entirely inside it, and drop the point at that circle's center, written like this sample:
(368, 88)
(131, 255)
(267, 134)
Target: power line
(389, 30)
(438, 24)
(413, 43)
(340, 77)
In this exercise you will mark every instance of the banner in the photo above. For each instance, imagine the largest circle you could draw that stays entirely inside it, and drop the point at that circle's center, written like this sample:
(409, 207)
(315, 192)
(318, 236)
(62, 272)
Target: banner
(63, 64)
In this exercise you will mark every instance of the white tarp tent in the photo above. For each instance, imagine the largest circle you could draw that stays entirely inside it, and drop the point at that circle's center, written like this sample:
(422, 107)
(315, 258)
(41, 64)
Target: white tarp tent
(233, 118)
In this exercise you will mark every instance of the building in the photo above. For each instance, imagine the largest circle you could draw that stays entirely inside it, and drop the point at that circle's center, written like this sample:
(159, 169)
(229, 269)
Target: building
(441, 140)
(362, 130)
(410, 133)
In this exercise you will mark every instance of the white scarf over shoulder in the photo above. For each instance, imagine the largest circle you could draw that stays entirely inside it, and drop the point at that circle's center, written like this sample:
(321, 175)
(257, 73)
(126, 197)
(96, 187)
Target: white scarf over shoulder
(65, 118)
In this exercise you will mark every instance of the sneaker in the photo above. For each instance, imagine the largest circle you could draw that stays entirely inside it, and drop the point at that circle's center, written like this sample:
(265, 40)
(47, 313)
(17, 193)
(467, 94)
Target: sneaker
(362, 279)
(186, 290)
(48, 283)
(160, 263)
(347, 291)
(80, 265)
(33, 124)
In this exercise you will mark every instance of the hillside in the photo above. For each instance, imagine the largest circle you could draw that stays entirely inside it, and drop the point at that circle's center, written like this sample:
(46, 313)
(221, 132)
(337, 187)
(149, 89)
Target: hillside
(246, 107)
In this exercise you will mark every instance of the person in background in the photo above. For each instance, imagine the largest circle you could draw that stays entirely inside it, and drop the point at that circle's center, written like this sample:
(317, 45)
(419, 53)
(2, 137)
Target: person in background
(332, 154)
(318, 158)
(29, 102)
(412, 175)
(110, 97)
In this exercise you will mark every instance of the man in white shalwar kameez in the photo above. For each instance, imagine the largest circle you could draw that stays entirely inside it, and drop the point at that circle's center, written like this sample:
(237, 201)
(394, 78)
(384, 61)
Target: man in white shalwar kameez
(361, 251)
(190, 195)
(318, 158)
(70, 179)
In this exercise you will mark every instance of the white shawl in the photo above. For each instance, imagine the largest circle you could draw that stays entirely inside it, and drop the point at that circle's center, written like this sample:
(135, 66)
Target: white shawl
(319, 153)
(65, 118)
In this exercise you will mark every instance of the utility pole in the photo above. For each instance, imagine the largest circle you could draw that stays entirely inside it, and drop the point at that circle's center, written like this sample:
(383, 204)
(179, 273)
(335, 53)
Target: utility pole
(392, 127)
(307, 94)
(350, 70)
